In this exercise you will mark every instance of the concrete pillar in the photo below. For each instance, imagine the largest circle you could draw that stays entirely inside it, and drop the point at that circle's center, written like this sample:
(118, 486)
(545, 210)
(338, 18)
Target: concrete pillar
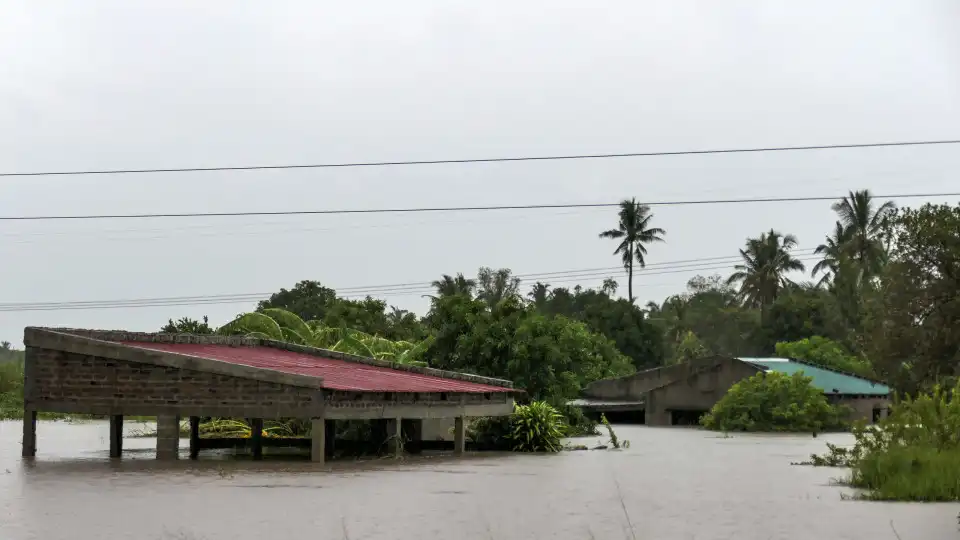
(29, 433)
(194, 437)
(459, 436)
(318, 433)
(256, 437)
(330, 437)
(116, 435)
(395, 437)
(168, 437)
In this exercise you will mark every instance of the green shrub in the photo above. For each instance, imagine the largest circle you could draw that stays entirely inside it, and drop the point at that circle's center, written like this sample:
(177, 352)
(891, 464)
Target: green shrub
(11, 390)
(577, 424)
(537, 427)
(774, 402)
(491, 432)
(909, 473)
(913, 454)
(827, 353)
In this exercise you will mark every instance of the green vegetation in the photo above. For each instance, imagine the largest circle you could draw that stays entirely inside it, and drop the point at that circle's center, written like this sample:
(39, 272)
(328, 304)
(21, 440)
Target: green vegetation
(913, 454)
(282, 325)
(774, 402)
(536, 427)
(827, 353)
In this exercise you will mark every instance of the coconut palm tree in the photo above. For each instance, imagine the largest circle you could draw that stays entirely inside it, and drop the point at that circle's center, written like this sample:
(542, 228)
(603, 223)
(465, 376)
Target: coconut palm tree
(450, 286)
(863, 226)
(539, 294)
(832, 251)
(634, 232)
(496, 285)
(763, 273)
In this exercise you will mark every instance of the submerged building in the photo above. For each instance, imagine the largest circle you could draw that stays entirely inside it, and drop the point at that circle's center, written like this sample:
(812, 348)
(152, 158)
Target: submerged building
(681, 393)
(174, 376)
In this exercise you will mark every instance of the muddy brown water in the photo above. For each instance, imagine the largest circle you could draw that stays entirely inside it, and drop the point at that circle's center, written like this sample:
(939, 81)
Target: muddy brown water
(671, 484)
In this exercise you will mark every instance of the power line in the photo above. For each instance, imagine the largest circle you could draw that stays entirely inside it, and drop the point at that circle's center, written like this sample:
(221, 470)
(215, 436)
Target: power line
(462, 208)
(418, 289)
(355, 290)
(489, 160)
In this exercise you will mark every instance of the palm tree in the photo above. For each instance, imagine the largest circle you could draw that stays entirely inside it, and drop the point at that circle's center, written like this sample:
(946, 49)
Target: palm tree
(451, 286)
(833, 252)
(863, 226)
(763, 273)
(634, 232)
(609, 286)
(496, 285)
(539, 294)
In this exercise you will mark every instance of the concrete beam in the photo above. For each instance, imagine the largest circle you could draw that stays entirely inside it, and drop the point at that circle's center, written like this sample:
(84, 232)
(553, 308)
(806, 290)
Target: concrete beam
(29, 433)
(116, 436)
(168, 437)
(148, 409)
(436, 410)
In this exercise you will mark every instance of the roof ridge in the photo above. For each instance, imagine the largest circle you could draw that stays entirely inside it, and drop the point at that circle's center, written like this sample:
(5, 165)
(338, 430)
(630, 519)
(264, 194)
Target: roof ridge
(243, 341)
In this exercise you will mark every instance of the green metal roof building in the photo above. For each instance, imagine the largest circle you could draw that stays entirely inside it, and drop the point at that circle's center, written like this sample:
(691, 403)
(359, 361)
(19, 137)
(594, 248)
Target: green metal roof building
(830, 381)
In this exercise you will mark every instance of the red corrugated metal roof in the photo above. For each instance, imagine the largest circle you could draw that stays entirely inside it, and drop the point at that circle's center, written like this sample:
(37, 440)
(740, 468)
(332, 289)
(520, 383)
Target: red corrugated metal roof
(336, 374)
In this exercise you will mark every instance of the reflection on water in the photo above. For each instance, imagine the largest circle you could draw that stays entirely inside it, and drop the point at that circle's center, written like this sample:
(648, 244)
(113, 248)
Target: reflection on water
(671, 484)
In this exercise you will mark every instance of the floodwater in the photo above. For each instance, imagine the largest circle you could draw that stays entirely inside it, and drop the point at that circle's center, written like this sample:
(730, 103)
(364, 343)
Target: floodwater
(671, 484)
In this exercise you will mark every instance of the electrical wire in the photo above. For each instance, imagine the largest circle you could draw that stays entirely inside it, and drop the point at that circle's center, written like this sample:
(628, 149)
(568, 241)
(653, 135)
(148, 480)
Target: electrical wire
(463, 208)
(489, 160)
(419, 289)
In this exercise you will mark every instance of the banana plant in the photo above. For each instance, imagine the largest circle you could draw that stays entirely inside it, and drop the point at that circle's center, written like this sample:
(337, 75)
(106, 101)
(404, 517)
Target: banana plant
(282, 325)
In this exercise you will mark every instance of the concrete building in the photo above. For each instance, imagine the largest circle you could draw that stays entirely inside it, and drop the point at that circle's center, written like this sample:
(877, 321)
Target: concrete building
(116, 373)
(681, 393)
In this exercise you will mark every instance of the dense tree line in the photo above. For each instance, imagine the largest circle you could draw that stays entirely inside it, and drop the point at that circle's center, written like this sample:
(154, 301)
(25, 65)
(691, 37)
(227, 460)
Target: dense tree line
(882, 301)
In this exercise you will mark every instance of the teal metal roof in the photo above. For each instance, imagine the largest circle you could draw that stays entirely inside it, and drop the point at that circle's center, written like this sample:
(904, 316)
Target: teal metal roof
(831, 382)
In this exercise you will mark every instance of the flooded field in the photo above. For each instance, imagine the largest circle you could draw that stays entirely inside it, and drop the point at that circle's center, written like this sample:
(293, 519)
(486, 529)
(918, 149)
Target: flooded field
(671, 484)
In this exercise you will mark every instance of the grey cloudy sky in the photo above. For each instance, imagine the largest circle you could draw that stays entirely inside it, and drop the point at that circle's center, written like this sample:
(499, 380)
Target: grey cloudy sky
(120, 84)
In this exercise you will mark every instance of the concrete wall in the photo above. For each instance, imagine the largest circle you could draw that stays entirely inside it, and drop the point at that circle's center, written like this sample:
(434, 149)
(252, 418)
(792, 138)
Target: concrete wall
(71, 382)
(633, 387)
(863, 407)
(698, 391)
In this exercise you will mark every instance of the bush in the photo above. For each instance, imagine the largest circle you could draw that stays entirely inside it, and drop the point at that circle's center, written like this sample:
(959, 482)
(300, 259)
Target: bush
(913, 454)
(537, 427)
(774, 402)
(827, 353)
(11, 390)
(577, 424)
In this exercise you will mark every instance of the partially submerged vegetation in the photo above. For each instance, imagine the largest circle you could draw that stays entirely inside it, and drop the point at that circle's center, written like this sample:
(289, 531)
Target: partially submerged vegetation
(913, 454)
(775, 402)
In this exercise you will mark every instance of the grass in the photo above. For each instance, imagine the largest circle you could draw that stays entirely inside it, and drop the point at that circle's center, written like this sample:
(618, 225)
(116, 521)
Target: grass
(909, 473)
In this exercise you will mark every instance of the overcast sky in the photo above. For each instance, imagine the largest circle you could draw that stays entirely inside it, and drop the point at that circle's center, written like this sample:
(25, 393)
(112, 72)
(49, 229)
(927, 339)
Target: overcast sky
(98, 84)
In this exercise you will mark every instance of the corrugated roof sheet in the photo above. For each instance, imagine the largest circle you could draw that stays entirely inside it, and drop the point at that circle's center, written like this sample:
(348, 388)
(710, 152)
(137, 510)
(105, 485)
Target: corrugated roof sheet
(336, 374)
(831, 382)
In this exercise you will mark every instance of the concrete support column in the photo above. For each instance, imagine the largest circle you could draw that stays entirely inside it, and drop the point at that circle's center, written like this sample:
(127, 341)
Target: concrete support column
(395, 437)
(29, 433)
(330, 437)
(168, 437)
(256, 437)
(194, 437)
(116, 435)
(318, 434)
(459, 436)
